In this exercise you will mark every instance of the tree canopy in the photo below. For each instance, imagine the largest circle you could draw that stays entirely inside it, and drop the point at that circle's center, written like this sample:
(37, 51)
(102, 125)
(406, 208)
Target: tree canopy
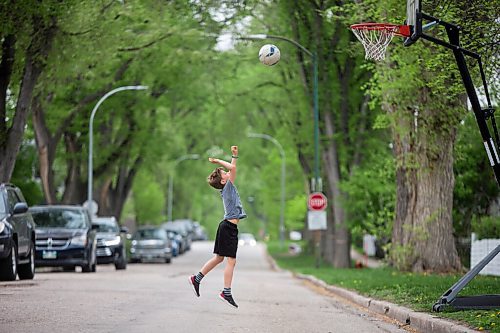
(400, 153)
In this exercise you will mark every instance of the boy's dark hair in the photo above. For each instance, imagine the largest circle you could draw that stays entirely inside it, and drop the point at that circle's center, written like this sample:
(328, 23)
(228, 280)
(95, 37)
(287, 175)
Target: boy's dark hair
(214, 179)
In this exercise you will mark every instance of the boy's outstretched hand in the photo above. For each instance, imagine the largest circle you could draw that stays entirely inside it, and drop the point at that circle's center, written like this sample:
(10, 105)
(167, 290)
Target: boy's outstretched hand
(212, 160)
(234, 150)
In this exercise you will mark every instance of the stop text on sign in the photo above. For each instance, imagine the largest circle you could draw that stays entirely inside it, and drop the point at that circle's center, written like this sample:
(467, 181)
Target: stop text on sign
(317, 201)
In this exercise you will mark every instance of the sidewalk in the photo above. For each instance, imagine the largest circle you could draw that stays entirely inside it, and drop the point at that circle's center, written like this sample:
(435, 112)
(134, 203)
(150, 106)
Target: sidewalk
(416, 321)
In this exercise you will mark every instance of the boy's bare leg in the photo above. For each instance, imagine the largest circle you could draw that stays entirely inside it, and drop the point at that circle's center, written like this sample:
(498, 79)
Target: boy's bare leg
(195, 280)
(228, 272)
(226, 295)
(209, 265)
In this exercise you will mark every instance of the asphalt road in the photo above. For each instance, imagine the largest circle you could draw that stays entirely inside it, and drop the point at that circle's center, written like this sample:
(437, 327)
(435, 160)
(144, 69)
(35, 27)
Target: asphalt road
(157, 297)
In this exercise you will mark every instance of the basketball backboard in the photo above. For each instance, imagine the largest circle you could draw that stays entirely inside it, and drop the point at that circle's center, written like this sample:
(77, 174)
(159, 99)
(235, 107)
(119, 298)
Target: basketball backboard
(412, 19)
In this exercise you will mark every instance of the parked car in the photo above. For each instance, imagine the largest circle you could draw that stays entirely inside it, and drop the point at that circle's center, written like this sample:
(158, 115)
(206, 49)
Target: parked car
(181, 242)
(175, 242)
(199, 232)
(65, 237)
(110, 242)
(246, 239)
(149, 243)
(182, 228)
(187, 224)
(17, 235)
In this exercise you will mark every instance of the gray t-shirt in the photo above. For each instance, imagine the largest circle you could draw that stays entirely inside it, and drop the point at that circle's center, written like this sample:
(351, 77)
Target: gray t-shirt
(233, 209)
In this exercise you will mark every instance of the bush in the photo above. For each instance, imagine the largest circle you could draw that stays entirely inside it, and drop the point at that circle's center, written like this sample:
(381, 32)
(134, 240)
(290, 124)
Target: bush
(486, 227)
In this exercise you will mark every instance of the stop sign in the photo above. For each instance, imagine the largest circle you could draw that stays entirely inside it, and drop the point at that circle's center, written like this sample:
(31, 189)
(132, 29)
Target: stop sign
(317, 201)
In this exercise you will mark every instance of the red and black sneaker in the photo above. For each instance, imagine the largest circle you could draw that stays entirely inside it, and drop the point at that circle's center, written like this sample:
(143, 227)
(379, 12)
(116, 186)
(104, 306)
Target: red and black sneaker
(196, 285)
(228, 299)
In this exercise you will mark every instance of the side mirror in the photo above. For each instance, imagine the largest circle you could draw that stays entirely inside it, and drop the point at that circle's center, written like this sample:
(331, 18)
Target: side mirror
(95, 226)
(124, 230)
(20, 208)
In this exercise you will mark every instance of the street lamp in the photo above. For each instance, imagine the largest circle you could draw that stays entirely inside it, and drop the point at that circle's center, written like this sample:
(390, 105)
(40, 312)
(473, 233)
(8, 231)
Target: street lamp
(283, 176)
(316, 185)
(171, 181)
(91, 142)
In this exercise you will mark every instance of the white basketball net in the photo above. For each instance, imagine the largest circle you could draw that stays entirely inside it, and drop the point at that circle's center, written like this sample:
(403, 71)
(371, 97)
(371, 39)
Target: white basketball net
(375, 40)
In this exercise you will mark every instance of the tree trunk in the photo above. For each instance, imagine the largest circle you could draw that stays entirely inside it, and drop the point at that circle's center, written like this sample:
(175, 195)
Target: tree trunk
(36, 55)
(422, 237)
(113, 196)
(307, 21)
(47, 142)
(337, 246)
(75, 189)
(46, 152)
(6, 67)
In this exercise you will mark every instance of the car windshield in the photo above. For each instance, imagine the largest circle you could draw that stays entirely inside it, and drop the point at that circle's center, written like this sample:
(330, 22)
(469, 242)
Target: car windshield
(247, 236)
(106, 226)
(59, 218)
(177, 227)
(150, 234)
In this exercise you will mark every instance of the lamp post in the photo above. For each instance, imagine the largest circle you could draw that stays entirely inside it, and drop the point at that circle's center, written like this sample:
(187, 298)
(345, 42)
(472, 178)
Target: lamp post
(91, 142)
(316, 184)
(171, 181)
(283, 176)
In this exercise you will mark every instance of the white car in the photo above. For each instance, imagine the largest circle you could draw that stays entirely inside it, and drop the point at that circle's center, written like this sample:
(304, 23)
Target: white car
(246, 239)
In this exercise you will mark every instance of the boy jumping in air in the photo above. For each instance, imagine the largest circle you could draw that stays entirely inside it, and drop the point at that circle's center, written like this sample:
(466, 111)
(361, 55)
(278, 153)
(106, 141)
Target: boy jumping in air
(226, 241)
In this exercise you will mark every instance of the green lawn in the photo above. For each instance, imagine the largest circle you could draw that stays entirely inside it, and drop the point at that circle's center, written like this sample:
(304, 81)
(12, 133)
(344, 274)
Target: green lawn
(415, 291)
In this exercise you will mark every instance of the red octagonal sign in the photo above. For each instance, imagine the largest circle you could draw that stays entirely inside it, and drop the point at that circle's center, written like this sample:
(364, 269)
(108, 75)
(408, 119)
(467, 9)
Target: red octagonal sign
(317, 201)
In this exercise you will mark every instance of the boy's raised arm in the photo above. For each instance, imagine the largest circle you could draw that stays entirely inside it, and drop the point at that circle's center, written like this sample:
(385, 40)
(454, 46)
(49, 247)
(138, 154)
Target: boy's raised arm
(223, 163)
(234, 157)
(229, 166)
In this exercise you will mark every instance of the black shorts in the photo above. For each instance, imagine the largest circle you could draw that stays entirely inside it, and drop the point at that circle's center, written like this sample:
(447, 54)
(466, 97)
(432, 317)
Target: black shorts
(226, 241)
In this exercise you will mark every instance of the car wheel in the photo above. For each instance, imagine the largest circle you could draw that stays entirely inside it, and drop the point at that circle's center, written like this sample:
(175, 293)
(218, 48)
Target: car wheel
(69, 268)
(91, 266)
(27, 271)
(87, 268)
(8, 266)
(94, 265)
(168, 260)
(121, 263)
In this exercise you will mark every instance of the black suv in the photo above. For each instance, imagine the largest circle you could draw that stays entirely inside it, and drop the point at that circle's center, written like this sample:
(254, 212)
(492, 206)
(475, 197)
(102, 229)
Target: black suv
(17, 235)
(65, 237)
(110, 242)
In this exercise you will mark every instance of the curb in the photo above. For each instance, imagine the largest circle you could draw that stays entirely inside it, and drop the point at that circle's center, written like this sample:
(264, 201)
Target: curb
(420, 321)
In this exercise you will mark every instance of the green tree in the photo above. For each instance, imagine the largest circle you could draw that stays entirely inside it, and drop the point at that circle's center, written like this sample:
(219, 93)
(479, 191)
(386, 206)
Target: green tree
(27, 31)
(149, 200)
(475, 186)
(421, 90)
(105, 46)
(322, 27)
(23, 174)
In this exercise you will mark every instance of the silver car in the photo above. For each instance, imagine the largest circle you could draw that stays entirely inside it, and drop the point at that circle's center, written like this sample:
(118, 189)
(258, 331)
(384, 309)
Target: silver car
(151, 243)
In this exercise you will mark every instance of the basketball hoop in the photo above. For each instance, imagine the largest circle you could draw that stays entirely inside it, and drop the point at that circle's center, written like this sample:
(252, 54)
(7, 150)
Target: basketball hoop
(375, 37)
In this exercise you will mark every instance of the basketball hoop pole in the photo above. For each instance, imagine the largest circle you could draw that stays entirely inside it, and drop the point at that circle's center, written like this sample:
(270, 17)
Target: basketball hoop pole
(482, 115)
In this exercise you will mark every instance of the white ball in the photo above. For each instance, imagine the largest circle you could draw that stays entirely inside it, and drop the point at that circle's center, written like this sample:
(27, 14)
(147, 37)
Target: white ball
(269, 54)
